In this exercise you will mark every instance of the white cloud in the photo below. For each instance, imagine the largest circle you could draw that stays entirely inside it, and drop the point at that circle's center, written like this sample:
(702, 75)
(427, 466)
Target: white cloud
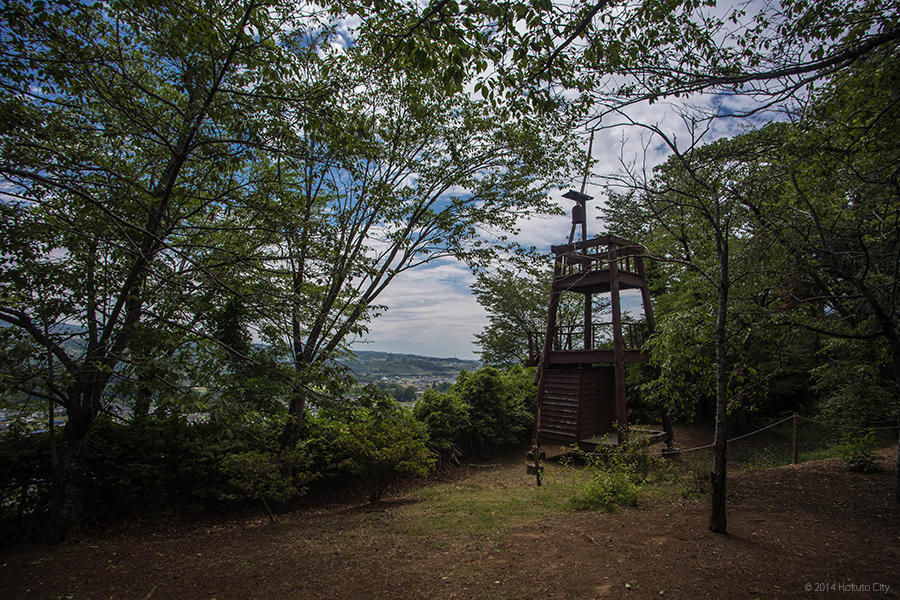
(430, 312)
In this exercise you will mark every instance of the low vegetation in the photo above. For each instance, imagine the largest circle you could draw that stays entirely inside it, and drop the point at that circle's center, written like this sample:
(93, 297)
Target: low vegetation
(165, 463)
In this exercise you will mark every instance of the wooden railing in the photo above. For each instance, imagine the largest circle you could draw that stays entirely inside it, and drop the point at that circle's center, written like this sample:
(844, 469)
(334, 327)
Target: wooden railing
(598, 253)
(570, 338)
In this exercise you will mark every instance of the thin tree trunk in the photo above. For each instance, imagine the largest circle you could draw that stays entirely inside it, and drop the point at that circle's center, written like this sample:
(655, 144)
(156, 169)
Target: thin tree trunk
(894, 345)
(51, 428)
(897, 475)
(717, 520)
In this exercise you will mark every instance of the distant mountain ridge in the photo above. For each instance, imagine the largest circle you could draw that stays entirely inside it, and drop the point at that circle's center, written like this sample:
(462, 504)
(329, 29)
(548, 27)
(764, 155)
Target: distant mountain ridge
(370, 365)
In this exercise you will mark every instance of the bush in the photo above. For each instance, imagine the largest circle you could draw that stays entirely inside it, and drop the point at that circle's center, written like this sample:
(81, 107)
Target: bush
(151, 466)
(164, 464)
(385, 442)
(278, 476)
(606, 490)
(858, 451)
(500, 411)
(25, 476)
(482, 413)
(617, 472)
(445, 417)
(854, 382)
(322, 445)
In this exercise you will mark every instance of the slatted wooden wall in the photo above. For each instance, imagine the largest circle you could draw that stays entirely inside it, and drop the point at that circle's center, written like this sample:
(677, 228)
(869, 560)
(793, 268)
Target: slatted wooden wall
(576, 403)
(559, 405)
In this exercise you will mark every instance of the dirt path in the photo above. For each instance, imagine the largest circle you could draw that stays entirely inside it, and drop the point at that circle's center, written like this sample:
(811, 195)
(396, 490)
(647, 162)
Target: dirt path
(814, 526)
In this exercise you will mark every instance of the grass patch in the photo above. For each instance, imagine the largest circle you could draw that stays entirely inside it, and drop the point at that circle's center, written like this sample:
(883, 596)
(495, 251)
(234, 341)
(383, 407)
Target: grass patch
(491, 504)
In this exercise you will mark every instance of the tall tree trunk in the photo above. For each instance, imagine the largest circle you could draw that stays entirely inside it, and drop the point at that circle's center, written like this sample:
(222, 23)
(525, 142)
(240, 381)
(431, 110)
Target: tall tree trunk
(67, 509)
(894, 345)
(291, 433)
(897, 466)
(143, 397)
(717, 520)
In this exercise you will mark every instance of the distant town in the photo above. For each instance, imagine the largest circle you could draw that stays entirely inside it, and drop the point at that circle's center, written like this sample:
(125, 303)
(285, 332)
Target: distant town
(403, 376)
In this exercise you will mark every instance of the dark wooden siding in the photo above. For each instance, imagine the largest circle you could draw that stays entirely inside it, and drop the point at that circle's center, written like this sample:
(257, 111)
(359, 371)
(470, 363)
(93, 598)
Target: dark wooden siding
(587, 425)
(576, 403)
(559, 405)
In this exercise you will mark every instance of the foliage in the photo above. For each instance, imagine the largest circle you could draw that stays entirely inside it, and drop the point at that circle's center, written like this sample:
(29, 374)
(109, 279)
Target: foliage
(515, 301)
(482, 413)
(384, 442)
(854, 382)
(858, 451)
(618, 54)
(445, 417)
(203, 165)
(814, 197)
(25, 475)
(515, 298)
(399, 392)
(616, 474)
(151, 466)
(831, 201)
(179, 175)
(277, 476)
(126, 130)
(606, 490)
(500, 415)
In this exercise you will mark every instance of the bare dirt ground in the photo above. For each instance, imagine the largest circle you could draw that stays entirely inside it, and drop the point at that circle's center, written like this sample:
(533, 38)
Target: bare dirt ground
(813, 530)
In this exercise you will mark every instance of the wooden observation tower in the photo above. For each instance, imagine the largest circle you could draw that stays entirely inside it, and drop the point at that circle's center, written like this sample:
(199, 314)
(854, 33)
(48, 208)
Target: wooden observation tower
(581, 369)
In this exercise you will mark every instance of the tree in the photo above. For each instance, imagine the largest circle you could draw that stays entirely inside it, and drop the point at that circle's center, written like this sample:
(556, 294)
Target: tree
(831, 200)
(124, 129)
(695, 221)
(618, 54)
(515, 297)
(408, 172)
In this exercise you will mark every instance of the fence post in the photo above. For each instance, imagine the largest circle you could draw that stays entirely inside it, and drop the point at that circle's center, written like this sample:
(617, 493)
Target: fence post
(796, 438)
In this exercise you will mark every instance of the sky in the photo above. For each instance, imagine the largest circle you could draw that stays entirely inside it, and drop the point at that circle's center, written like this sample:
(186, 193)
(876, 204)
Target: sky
(431, 310)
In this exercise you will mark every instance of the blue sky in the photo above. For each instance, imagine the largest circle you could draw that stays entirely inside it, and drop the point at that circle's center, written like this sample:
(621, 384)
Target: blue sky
(431, 310)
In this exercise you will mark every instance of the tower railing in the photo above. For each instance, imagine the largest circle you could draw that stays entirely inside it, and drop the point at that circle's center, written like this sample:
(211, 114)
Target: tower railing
(571, 338)
(597, 253)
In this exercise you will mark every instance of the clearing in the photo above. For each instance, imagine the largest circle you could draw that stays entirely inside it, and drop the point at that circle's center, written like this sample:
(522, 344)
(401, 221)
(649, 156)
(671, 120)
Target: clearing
(813, 530)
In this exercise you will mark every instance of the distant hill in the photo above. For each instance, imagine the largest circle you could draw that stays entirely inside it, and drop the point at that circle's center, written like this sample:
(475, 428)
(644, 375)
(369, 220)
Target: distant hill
(370, 365)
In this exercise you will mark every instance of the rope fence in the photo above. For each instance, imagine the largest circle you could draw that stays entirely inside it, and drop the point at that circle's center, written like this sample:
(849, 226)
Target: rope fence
(796, 418)
(838, 425)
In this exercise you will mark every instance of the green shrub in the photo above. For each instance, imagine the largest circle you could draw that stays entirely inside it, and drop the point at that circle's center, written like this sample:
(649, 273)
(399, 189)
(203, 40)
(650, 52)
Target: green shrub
(617, 472)
(606, 490)
(25, 491)
(858, 451)
(165, 464)
(445, 417)
(384, 441)
(501, 411)
(278, 476)
(482, 413)
(322, 445)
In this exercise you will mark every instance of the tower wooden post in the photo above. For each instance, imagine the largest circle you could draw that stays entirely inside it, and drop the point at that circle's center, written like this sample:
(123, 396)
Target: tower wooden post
(618, 340)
